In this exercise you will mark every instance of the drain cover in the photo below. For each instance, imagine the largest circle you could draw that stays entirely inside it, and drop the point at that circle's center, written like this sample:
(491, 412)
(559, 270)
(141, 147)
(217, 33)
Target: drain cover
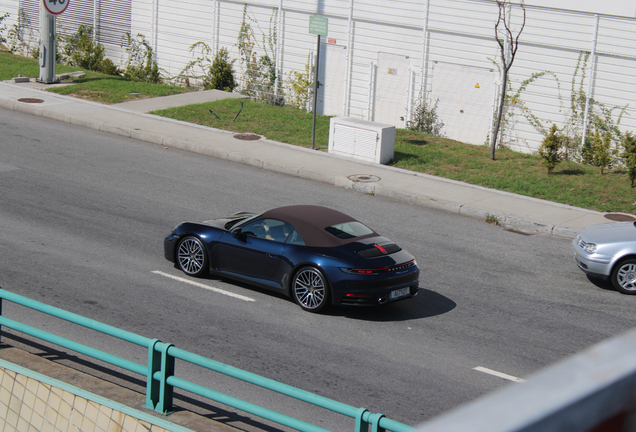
(618, 217)
(363, 178)
(247, 137)
(30, 100)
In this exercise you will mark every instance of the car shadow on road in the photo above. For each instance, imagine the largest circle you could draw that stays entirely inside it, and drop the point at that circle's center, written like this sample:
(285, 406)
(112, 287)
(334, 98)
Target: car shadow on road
(426, 304)
(604, 284)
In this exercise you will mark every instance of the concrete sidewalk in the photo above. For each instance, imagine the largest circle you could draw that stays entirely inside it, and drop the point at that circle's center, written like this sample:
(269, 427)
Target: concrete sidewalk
(130, 119)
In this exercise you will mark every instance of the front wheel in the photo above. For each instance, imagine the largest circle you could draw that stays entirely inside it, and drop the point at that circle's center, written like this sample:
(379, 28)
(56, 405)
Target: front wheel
(192, 257)
(624, 277)
(310, 290)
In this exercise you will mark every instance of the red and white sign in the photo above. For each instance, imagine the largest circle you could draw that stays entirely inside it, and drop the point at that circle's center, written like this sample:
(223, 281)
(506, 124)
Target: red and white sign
(55, 7)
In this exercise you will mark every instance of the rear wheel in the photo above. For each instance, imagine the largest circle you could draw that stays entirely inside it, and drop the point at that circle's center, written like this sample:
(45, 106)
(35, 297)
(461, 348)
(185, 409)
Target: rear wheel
(624, 276)
(310, 290)
(192, 257)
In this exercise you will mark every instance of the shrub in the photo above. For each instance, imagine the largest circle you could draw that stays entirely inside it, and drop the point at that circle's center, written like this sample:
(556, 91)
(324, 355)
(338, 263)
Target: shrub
(629, 155)
(80, 50)
(301, 87)
(3, 27)
(140, 65)
(550, 149)
(220, 75)
(425, 119)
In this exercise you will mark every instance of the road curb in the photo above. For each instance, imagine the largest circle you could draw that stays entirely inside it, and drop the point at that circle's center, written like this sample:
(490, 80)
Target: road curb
(503, 220)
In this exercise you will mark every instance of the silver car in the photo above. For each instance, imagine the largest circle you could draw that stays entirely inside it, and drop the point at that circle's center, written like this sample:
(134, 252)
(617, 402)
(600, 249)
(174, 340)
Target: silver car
(609, 251)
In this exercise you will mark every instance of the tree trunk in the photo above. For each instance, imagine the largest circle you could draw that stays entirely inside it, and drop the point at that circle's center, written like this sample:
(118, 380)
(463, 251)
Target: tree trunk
(502, 99)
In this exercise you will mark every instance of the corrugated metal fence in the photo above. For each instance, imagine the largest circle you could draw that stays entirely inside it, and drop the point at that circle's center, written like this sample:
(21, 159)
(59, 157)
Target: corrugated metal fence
(380, 57)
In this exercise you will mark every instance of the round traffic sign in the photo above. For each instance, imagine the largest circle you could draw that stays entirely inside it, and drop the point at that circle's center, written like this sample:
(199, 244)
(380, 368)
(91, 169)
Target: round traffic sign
(56, 7)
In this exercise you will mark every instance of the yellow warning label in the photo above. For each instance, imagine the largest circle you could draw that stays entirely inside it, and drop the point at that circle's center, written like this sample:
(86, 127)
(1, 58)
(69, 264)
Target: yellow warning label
(477, 85)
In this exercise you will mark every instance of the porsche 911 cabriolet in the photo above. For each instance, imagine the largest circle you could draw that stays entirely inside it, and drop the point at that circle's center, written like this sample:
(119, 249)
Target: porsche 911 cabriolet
(315, 255)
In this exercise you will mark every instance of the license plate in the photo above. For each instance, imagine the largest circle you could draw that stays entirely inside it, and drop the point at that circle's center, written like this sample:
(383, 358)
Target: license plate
(399, 293)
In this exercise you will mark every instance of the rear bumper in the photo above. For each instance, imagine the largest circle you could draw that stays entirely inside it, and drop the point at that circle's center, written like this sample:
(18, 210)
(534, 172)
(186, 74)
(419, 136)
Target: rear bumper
(375, 290)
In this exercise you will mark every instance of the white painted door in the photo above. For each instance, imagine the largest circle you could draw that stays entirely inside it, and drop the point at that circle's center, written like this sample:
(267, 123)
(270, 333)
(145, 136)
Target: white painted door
(464, 96)
(331, 76)
(390, 96)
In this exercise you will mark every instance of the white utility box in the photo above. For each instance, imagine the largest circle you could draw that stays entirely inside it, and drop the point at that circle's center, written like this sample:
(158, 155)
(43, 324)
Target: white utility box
(361, 139)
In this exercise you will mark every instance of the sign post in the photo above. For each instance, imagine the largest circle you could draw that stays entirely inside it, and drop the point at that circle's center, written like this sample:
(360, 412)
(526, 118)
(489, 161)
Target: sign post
(49, 9)
(318, 25)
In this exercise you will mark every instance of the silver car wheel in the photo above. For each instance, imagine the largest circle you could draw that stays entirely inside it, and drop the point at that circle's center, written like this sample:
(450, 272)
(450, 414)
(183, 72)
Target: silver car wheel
(310, 289)
(624, 277)
(191, 256)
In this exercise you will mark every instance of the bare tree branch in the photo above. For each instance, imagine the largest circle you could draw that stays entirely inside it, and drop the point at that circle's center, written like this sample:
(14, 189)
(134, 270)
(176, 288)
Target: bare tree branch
(506, 62)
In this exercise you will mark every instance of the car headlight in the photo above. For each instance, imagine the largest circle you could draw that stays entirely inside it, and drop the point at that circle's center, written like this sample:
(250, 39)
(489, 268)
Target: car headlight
(589, 248)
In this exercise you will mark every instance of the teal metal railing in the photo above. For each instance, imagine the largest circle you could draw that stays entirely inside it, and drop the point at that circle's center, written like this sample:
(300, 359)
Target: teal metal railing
(161, 380)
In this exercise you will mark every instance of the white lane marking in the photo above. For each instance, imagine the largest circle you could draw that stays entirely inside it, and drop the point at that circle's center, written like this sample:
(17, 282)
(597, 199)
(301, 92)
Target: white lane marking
(499, 374)
(207, 287)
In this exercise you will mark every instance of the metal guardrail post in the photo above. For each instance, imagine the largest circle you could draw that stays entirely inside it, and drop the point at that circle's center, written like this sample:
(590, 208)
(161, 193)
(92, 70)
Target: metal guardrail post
(374, 419)
(152, 386)
(167, 370)
(361, 424)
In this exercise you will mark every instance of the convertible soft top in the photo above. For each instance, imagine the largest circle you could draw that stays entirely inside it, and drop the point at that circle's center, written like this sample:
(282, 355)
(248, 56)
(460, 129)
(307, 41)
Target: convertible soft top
(311, 221)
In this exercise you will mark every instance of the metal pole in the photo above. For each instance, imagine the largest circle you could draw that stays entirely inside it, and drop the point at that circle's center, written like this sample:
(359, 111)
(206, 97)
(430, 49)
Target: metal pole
(316, 84)
(425, 43)
(589, 86)
(370, 94)
(347, 81)
(47, 46)
(279, 48)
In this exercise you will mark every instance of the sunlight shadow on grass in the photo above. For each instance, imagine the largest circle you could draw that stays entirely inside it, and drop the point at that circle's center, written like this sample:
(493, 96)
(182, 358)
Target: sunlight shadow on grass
(417, 142)
(569, 172)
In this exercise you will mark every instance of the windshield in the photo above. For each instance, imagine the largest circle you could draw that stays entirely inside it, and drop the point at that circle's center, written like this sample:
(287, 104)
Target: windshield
(349, 230)
(235, 223)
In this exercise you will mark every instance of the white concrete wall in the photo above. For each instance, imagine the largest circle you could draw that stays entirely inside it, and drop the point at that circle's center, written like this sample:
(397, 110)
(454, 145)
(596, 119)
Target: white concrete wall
(372, 35)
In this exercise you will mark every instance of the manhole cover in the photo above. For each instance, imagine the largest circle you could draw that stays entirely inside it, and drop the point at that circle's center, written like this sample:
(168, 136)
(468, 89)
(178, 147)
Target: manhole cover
(30, 100)
(247, 137)
(364, 178)
(617, 217)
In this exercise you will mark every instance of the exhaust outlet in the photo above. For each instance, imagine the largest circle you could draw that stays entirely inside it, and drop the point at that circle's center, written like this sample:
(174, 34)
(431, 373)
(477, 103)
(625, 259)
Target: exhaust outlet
(382, 300)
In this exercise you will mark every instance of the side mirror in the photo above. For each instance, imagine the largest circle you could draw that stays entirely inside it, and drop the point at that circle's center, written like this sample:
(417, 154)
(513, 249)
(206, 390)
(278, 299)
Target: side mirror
(237, 233)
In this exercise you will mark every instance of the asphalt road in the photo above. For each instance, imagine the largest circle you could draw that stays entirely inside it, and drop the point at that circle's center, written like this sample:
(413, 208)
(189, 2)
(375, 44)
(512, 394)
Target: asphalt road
(83, 215)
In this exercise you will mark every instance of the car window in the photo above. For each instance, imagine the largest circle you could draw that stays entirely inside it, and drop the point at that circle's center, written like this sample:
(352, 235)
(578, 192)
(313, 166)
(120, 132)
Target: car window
(349, 230)
(268, 229)
(295, 238)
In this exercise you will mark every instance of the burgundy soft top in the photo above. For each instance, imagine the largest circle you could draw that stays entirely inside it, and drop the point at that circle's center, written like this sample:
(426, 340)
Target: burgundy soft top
(311, 221)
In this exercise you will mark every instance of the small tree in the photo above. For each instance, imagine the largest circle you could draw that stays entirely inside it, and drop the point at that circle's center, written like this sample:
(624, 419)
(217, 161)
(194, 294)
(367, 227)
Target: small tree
(601, 147)
(629, 155)
(508, 50)
(550, 149)
(220, 75)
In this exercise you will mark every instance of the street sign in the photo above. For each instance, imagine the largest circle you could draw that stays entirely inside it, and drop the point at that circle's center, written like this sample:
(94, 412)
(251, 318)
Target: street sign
(56, 7)
(317, 25)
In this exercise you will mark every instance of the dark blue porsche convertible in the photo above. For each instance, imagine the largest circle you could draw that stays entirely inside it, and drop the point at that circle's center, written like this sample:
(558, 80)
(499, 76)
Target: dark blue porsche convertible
(316, 255)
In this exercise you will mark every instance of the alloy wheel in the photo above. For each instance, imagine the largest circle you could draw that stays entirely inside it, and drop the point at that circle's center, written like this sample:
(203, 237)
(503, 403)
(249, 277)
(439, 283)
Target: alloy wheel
(310, 289)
